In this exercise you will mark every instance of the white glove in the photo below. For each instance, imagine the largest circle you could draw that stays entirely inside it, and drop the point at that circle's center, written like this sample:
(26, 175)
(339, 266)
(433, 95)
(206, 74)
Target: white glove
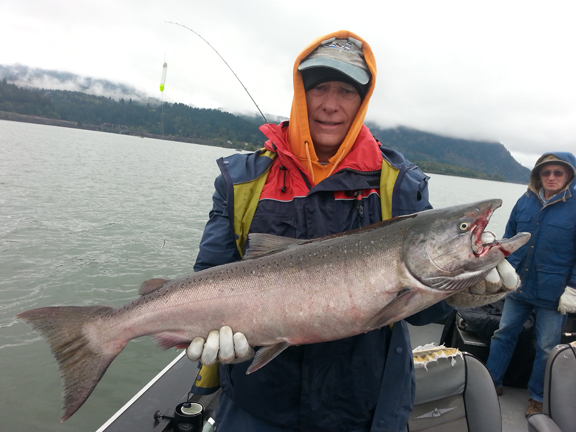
(502, 276)
(221, 346)
(497, 283)
(567, 302)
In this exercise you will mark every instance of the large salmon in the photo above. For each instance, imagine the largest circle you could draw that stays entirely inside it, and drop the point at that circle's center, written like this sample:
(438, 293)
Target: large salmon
(286, 292)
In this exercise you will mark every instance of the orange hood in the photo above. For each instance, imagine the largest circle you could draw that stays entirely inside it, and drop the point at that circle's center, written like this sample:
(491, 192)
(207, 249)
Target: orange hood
(298, 129)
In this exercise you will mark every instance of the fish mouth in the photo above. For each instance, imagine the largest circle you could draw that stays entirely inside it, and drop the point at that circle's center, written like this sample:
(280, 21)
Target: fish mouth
(504, 246)
(480, 248)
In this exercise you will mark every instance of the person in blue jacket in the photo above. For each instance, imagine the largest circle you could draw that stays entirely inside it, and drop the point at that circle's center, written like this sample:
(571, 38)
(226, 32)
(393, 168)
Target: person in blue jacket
(319, 174)
(546, 266)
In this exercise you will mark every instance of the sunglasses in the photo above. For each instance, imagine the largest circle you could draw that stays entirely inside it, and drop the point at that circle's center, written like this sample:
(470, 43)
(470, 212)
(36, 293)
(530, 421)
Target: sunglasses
(557, 173)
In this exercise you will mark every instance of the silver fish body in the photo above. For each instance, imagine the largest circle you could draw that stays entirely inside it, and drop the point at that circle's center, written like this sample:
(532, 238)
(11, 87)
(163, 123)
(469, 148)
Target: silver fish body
(286, 292)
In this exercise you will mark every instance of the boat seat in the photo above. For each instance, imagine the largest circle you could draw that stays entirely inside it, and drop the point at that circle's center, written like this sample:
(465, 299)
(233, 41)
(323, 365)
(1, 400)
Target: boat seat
(454, 393)
(559, 392)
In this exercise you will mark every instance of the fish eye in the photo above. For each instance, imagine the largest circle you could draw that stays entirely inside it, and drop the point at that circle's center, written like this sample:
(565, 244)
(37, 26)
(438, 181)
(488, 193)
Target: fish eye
(464, 226)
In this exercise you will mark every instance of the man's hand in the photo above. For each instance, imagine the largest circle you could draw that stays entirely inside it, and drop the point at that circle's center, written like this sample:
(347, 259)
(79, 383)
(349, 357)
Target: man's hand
(567, 303)
(498, 282)
(221, 345)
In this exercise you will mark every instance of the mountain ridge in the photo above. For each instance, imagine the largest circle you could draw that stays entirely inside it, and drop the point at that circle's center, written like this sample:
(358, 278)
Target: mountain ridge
(436, 153)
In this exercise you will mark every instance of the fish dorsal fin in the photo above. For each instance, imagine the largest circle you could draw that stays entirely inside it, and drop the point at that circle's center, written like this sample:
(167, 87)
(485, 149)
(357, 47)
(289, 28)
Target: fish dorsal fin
(151, 285)
(267, 244)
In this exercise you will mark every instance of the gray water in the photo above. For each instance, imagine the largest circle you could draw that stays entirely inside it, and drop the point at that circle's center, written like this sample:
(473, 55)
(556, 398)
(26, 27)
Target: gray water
(85, 217)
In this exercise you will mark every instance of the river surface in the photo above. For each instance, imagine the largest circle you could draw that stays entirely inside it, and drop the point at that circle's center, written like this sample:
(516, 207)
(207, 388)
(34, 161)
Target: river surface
(85, 217)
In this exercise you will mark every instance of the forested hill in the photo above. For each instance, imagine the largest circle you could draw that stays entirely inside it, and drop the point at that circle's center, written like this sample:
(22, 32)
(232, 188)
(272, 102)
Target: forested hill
(433, 153)
(149, 119)
(453, 156)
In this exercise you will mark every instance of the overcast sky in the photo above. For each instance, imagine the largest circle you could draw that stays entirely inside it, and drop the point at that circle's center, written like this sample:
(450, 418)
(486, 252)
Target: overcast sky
(499, 70)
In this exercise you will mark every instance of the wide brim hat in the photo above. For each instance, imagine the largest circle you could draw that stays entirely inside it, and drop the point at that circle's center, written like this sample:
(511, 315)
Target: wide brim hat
(535, 183)
(551, 158)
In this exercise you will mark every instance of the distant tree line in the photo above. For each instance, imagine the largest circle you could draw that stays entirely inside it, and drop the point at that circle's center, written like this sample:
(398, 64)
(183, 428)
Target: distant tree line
(25, 101)
(175, 121)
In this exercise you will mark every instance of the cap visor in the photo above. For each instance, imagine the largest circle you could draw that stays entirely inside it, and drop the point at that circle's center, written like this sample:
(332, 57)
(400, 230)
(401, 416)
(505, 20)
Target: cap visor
(358, 74)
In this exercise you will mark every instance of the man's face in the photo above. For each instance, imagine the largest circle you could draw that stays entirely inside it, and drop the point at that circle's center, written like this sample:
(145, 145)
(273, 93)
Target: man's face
(332, 107)
(554, 178)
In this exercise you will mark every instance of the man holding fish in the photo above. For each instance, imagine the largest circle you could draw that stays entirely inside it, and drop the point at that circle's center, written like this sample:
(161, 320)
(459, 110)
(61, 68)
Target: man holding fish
(295, 260)
(322, 173)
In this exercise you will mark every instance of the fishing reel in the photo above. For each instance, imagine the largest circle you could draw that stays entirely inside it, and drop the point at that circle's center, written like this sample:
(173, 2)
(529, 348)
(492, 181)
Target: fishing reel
(190, 417)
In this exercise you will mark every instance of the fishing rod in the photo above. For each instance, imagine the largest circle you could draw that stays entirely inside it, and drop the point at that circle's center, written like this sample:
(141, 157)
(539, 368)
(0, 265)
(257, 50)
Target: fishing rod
(225, 62)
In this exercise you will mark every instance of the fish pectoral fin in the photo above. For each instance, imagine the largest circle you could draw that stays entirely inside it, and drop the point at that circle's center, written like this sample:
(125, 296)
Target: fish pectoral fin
(389, 313)
(265, 355)
(451, 285)
(151, 285)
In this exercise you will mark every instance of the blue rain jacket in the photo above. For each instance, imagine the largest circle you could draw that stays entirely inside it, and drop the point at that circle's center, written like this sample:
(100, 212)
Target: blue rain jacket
(547, 263)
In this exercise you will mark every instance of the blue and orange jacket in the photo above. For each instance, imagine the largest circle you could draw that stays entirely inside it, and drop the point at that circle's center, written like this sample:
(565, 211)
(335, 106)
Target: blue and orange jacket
(282, 190)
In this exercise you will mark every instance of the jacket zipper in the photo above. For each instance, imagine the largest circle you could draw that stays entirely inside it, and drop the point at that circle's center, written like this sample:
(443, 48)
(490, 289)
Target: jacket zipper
(359, 207)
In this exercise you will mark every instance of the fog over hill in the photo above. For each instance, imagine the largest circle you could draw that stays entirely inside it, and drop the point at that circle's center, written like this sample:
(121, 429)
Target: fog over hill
(24, 76)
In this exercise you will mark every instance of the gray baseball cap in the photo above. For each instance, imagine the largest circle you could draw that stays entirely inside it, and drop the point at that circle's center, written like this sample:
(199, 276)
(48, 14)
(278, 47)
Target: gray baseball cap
(343, 55)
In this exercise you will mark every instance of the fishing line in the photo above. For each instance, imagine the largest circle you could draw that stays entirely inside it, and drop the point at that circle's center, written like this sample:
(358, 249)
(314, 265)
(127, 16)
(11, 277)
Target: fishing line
(226, 63)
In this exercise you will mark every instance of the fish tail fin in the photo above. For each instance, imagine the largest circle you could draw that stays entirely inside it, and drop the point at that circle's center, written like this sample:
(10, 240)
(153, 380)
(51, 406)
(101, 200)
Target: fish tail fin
(80, 360)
